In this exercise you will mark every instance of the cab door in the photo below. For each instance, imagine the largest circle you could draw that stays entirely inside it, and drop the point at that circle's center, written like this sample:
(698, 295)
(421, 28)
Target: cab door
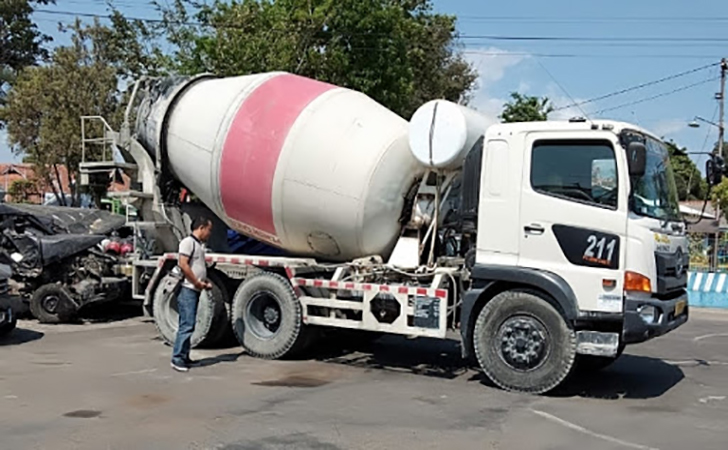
(573, 214)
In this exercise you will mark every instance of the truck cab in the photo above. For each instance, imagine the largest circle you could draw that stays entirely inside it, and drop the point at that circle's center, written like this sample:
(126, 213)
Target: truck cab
(585, 215)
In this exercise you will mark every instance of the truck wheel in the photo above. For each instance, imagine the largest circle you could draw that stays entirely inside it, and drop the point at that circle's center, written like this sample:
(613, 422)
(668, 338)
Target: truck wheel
(523, 344)
(221, 331)
(267, 317)
(166, 317)
(589, 363)
(51, 303)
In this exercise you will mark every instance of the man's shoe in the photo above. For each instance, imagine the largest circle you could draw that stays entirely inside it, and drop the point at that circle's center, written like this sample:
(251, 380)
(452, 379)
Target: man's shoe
(179, 367)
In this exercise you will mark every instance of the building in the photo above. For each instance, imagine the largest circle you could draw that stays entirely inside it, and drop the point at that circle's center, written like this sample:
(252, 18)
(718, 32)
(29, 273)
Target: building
(12, 172)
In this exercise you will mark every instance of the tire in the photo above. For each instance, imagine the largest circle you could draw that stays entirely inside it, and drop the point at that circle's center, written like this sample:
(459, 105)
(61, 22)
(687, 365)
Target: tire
(535, 365)
(166, 318)
(7, 328)
(221, 330)
(267, 318)
(51, 303)
(585, 364)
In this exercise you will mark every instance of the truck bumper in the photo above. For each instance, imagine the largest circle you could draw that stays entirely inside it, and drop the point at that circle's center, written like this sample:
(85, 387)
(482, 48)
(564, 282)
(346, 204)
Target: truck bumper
(668, 315)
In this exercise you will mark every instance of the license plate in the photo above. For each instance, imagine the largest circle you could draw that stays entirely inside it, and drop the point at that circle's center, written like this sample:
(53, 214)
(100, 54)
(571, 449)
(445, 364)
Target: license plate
(680, 307)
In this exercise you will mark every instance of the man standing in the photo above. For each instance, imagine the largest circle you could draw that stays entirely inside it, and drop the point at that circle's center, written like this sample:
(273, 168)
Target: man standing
(192, 264)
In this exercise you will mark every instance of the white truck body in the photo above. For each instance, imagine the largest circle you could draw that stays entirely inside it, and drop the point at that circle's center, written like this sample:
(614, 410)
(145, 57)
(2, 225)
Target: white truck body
(549, 244)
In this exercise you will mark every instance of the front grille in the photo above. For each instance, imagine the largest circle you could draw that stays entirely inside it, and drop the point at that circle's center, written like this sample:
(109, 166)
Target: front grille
(672, 272)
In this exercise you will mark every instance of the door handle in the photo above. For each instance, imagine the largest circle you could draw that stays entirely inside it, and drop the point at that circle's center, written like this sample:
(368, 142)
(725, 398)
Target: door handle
(534, 228)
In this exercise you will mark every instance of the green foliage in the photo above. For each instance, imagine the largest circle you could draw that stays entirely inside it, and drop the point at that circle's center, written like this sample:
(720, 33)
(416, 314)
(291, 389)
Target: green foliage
(398, 52)
(690, 182)
(20, 191)
(21, 44)
(45, 105)
(526, 108)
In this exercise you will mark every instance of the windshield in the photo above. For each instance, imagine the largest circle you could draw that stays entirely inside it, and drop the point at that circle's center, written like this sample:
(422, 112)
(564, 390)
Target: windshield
(655, 193)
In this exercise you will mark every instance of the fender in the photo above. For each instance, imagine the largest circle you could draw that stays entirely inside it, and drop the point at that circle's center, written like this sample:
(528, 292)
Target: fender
(486, 277)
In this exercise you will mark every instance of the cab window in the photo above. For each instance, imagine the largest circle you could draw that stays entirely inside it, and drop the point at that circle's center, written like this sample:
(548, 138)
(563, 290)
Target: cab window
(579, 171)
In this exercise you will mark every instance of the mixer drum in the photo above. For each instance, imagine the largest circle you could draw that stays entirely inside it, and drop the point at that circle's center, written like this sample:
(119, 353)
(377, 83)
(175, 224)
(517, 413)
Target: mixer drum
(306, 166)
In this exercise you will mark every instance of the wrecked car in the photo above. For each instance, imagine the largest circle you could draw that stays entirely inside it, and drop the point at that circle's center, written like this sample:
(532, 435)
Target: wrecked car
(58, 263)
(7, 315)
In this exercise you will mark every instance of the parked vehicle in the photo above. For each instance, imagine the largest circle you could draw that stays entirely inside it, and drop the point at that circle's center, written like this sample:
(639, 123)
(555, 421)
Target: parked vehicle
(58, 266)
(549, 245)
(7, 315)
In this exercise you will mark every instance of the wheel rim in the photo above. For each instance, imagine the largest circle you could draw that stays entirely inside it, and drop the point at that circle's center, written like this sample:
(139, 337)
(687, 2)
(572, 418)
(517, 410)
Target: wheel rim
(50, 303)
(264, 315)
(522, 343)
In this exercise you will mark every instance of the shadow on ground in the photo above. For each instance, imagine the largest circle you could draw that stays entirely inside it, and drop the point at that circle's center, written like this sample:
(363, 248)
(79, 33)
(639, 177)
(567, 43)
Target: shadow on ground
(428, 357)
(214, 360)
(20, 336)
(110, 312)
(633, 377)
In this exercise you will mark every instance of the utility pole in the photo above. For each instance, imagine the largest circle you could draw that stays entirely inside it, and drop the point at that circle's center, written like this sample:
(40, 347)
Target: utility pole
(721, 99)
(720, 96)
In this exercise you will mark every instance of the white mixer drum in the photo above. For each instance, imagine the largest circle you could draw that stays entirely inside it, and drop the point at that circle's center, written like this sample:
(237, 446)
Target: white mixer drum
(307, 166)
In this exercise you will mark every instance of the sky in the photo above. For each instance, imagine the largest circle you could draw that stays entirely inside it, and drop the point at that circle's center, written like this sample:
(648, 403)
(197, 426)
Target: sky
(608, 47)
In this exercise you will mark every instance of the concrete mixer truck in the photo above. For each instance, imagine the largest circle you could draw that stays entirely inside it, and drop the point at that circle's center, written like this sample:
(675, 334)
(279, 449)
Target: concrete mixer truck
(550, 246)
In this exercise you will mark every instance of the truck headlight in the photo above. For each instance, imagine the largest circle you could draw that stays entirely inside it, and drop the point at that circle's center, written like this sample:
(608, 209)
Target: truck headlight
(648, 314)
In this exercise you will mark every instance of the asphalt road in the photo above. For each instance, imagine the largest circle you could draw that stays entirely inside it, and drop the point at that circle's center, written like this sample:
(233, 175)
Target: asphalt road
(109, 386)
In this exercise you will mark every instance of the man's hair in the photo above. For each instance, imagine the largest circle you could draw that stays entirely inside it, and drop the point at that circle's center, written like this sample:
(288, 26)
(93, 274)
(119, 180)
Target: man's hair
(200, 221)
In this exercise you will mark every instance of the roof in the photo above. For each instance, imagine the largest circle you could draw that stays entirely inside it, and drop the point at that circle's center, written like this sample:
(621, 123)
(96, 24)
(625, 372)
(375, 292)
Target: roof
(708, 224)
(613, 126)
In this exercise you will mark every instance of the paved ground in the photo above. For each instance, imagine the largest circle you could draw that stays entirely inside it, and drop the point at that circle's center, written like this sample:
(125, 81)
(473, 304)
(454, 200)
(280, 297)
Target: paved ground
(109, 386)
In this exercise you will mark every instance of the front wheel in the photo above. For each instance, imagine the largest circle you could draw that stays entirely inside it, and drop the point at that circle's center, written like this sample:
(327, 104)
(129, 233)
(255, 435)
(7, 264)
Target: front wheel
(523, 343)
(51, 303)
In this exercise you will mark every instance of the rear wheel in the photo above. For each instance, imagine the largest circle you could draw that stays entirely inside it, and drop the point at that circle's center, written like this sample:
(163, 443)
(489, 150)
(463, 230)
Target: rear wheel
(267, 317)
(166, 317)
(523, 343)
(221, 331)
(51, 303)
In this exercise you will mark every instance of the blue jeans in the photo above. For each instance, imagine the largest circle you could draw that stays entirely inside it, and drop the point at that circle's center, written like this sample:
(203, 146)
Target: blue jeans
(187, 300)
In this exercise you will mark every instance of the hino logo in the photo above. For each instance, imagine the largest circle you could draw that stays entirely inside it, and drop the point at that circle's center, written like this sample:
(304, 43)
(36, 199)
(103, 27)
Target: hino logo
(680, 267)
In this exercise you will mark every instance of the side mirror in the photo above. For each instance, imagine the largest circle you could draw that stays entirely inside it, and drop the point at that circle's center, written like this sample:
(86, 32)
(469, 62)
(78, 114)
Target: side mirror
(636, 159)
(714, 169)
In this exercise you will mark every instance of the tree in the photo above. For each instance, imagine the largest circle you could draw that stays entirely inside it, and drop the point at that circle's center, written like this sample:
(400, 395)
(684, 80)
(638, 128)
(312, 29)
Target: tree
(21, 44)
(526, 108)
(398, 52)
(689, 180)
(20, 191)
(45, 105)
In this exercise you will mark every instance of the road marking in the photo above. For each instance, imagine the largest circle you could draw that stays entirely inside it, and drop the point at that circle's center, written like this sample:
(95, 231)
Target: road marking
(583, 430)
(696, 362)
(707, 336)
(136, 372)
(712, 398)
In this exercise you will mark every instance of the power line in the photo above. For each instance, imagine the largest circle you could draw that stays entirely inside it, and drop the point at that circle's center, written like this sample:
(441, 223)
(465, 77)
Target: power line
(592, 19)
(639, 86)
(664, 94)
(482, 37)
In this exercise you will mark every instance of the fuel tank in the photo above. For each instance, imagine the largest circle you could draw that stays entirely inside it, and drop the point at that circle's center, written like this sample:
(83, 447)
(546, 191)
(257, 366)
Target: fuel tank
(309, 167)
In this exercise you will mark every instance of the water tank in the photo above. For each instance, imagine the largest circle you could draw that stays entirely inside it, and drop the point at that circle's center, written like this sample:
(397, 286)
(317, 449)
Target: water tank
(306, 166)
(442, 133)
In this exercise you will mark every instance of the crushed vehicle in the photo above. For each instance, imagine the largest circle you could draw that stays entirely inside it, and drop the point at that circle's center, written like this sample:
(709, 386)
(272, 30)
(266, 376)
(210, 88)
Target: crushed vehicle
(58, 262)
(7, 315)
